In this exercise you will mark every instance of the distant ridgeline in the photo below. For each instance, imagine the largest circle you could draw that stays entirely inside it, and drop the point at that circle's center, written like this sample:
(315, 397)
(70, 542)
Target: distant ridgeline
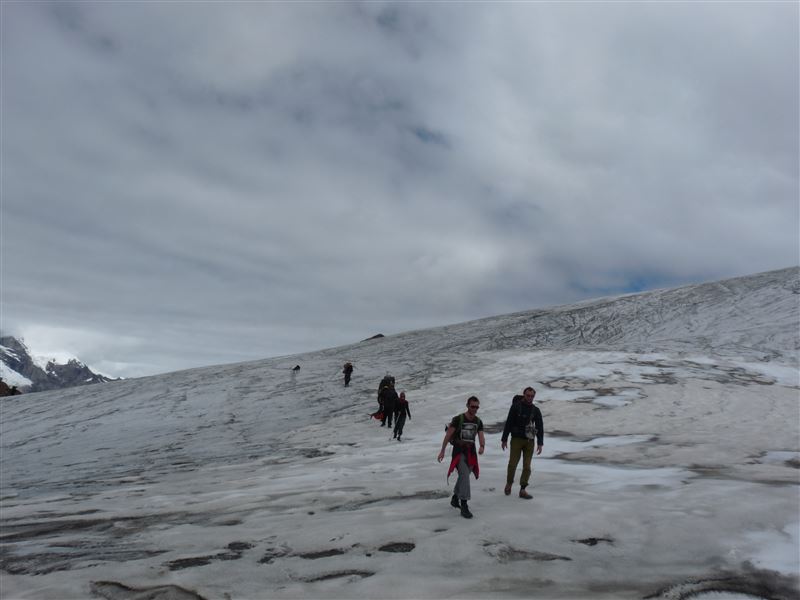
(21, 370)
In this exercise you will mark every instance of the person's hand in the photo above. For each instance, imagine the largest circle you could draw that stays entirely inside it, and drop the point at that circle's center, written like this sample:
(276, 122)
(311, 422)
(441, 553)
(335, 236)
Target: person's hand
(539, 450)
(441, 456)
(480, 450)
(503, 445)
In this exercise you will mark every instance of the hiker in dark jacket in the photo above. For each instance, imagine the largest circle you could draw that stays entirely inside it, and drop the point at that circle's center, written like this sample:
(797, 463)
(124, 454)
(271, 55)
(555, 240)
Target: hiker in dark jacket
(388, 399)
(387, 379)
(348, 372)
(400, 416)
(524, 423)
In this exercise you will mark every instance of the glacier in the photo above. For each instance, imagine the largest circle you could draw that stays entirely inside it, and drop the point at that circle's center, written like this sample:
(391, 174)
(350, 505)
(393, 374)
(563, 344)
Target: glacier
(671, 464)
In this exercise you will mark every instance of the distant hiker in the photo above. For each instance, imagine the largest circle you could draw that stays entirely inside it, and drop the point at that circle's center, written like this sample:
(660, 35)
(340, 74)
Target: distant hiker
(388, 401)
(461, 432)
(400, 416)
(348, 372)
(385, 382)
(524, 423)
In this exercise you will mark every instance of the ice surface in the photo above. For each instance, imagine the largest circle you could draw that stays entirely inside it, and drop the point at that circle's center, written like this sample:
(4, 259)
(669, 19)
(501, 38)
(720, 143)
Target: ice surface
(670, 468)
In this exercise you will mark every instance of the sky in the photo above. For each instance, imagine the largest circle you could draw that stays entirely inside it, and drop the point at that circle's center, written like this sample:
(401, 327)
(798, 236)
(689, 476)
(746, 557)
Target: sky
(199, 183)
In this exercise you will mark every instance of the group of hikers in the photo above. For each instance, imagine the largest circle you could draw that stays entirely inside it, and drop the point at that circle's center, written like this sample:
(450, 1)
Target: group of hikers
(524, 425)
(392, 405)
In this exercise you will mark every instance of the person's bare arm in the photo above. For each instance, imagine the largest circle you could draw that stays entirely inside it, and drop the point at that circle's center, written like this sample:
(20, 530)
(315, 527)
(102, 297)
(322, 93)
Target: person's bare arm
(449, 434)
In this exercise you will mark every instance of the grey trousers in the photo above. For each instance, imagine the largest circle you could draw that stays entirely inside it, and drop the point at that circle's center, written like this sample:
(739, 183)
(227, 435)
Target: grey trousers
(461, 490)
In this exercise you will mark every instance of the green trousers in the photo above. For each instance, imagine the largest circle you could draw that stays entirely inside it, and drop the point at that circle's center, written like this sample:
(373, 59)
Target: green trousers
(524, 447)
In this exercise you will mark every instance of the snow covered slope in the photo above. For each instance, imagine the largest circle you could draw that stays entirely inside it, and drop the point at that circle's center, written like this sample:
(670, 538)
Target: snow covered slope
(671, 464)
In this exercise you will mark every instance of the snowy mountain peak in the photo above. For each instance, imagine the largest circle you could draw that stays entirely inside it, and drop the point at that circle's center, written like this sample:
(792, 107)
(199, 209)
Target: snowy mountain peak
(32, 372)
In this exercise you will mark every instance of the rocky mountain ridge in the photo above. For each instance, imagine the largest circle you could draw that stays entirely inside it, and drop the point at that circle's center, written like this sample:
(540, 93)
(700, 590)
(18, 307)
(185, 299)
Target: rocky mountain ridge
(16, 357)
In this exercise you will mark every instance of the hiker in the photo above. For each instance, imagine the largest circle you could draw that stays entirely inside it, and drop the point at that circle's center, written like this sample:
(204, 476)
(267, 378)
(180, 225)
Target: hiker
(348, 371)
(379, 414)
(388, 399)
(400, 416)
(524, 423)
(461, 433)
(384, 382)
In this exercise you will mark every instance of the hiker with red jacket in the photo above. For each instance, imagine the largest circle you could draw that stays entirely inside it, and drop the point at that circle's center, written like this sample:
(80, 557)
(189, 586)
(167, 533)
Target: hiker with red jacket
(461, 432)
(388, 400)
(524, 423)
(379, 414)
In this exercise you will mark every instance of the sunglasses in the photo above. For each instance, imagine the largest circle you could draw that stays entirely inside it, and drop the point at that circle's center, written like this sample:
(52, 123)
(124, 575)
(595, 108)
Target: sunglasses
(473, 406)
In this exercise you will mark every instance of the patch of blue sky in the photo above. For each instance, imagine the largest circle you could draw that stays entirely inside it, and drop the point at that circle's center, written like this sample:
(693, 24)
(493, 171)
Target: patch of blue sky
(628, 284)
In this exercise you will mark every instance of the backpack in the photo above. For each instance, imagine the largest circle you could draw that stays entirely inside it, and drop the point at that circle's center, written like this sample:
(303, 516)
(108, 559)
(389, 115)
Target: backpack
(387, 379)
(460, 423)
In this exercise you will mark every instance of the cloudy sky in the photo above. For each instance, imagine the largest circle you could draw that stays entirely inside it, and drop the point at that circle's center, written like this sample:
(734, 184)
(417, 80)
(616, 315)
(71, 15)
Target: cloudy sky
(188, 184)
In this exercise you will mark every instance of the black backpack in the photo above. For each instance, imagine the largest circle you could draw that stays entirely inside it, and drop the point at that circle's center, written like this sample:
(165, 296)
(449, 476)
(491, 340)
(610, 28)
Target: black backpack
(384, 383)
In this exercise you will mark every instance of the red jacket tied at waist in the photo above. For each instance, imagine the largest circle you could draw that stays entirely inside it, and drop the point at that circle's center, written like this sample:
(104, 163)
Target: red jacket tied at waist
(472, 458)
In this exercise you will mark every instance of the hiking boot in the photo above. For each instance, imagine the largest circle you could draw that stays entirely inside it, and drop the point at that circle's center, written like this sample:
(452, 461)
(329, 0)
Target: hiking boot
(465, 510)
(398, 438)
(524, 494)
(394, 436)
(454, 501)
(507, 490)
